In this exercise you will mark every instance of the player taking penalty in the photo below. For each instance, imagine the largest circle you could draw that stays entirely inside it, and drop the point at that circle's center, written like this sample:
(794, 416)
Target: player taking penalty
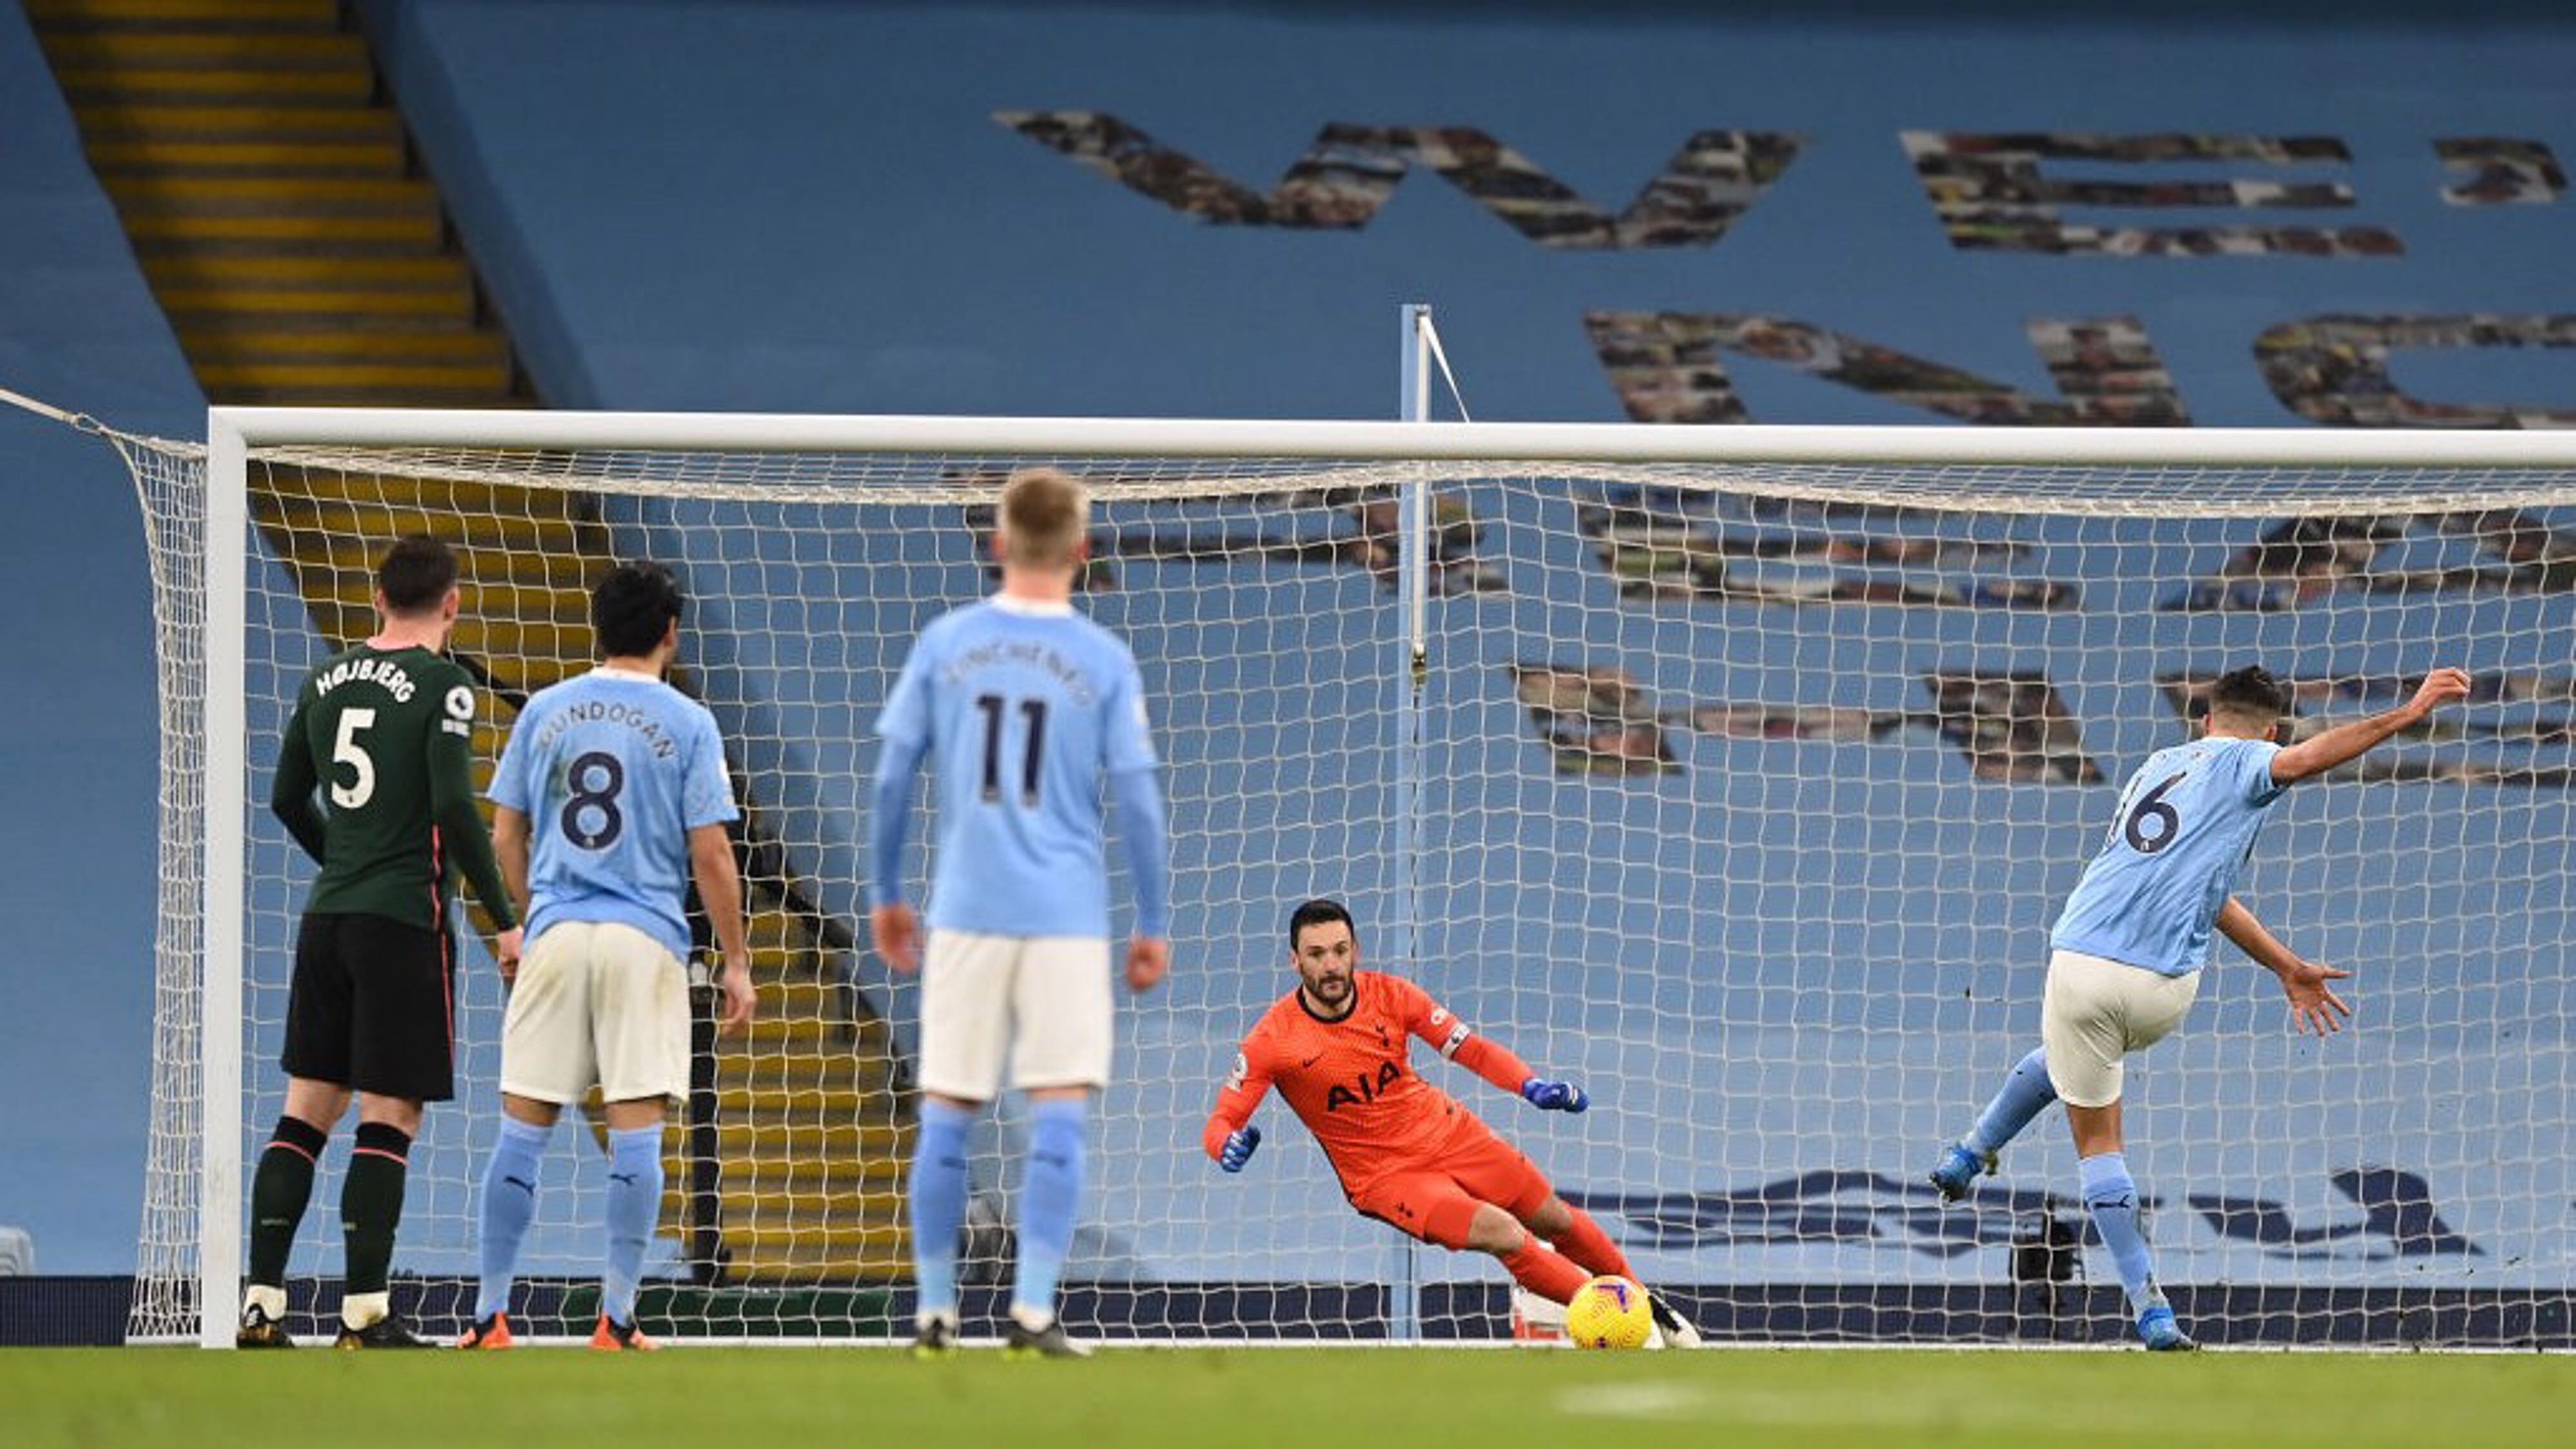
(2129, 945)
(1407, 1153)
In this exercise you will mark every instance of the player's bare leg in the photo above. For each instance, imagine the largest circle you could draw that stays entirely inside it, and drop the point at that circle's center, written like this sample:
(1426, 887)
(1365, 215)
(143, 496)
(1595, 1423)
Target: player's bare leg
(1578, 1237)
(2112, 1199)
(2097, 1129)
(1532, 1264)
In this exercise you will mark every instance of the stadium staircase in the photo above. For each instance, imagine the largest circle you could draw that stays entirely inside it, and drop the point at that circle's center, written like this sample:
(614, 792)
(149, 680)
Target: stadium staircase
(275, 206)
(302, 256)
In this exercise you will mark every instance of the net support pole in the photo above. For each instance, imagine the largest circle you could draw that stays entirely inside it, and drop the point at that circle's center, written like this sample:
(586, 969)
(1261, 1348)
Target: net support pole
(1414, 562)
(1413, 592)
(219, 1029)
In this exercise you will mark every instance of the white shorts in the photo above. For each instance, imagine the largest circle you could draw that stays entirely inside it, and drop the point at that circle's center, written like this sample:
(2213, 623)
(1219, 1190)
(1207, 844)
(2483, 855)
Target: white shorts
(2095, 1012)
(1041, 1000)
(597, 1002)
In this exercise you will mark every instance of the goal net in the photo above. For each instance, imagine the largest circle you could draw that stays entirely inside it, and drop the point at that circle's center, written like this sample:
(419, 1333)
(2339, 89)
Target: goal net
(1735, 773)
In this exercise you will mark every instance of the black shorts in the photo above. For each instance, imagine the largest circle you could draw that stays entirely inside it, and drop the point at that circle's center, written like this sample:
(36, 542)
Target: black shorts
(373, 1007)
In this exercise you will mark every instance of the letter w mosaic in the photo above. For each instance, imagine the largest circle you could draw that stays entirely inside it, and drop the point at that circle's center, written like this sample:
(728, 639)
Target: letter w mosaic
(1347, 175)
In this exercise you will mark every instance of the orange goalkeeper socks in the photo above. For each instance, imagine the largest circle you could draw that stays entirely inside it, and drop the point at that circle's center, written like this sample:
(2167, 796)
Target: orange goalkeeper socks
(1543, 1271)
(1590, 1247)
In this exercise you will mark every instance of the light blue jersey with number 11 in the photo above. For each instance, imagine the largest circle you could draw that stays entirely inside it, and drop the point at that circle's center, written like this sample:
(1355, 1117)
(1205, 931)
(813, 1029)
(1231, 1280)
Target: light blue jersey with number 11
(2186, 823)
(1030, 713)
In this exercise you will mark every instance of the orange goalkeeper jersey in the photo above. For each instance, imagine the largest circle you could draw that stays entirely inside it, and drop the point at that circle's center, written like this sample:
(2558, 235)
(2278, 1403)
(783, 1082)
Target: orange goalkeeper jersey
(1351, 1080)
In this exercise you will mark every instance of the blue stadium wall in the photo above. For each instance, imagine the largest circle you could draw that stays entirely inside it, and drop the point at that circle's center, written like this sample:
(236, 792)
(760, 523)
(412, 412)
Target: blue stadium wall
(789, 206)
(78, 749)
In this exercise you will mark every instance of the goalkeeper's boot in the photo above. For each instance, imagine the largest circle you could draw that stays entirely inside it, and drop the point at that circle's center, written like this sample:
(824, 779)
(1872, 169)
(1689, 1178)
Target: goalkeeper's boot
(258, 1330)
(2161, 1334)
(1021, 1341)
(613, 1337)
(385, 1332)
(935, 1338)
(492, 1332)
(1957, 1168)
(1671, 1327)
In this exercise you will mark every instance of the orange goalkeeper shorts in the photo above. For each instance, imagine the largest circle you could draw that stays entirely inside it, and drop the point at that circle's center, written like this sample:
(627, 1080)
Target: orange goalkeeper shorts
(1435, 1198)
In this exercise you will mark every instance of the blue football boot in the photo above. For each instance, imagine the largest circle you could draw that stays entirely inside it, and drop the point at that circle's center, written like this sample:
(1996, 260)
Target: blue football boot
(1958, 1168)
(2156, 1327)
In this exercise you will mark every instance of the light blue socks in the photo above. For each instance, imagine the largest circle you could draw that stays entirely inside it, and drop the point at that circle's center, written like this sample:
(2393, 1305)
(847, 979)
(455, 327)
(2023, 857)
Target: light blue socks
(2024, 1093)
(509, 1205)
(938, 1206)
(1050, 1199)
(2112, 1198)
(634, 1205)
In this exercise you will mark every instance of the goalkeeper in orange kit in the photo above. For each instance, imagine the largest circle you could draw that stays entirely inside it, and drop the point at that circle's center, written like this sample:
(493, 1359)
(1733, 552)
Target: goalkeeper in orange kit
(1407, 1153)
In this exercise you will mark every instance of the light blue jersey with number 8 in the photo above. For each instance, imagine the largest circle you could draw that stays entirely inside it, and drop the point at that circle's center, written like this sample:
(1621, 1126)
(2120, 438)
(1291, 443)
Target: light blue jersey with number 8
(613, 770)
(2186, 823)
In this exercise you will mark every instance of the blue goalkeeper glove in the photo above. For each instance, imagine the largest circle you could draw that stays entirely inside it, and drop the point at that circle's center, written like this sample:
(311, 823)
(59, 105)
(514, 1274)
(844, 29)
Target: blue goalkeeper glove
(1550, 1096)
(1238, 1148)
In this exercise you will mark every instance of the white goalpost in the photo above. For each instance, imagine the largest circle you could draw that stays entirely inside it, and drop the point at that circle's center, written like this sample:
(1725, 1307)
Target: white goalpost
(1734, 772)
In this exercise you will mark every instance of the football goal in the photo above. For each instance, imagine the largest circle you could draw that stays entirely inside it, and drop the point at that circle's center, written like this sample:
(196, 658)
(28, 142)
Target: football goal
(1734, 772)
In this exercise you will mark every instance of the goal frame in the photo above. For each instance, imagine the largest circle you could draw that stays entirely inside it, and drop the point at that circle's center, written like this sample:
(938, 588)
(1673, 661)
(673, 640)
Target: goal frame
(233, 434)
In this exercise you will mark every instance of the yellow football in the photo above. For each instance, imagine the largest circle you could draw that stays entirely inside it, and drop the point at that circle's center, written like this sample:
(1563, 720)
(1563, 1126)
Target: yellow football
(1609, 1312)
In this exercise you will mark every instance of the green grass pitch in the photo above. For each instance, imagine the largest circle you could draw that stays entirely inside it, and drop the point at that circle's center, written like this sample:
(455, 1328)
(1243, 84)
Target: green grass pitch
(550, 1398)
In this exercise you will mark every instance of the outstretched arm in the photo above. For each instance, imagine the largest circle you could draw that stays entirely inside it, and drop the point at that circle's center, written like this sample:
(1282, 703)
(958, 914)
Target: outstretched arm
(1488, 1058)
(2323, 751)
(1492, 1061)
(1228, 1136)
(2313, 1004)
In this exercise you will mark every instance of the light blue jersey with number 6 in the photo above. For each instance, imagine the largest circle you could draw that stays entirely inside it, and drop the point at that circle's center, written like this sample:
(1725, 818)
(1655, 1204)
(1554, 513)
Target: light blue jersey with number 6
(2186, 823)
(613, 770)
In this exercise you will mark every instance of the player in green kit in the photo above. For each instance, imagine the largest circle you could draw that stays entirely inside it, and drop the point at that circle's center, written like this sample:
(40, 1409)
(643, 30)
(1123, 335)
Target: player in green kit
(384, 731)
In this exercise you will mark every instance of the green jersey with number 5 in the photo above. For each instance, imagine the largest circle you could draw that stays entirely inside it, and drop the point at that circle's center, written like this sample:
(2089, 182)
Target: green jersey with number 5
(375, 781)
